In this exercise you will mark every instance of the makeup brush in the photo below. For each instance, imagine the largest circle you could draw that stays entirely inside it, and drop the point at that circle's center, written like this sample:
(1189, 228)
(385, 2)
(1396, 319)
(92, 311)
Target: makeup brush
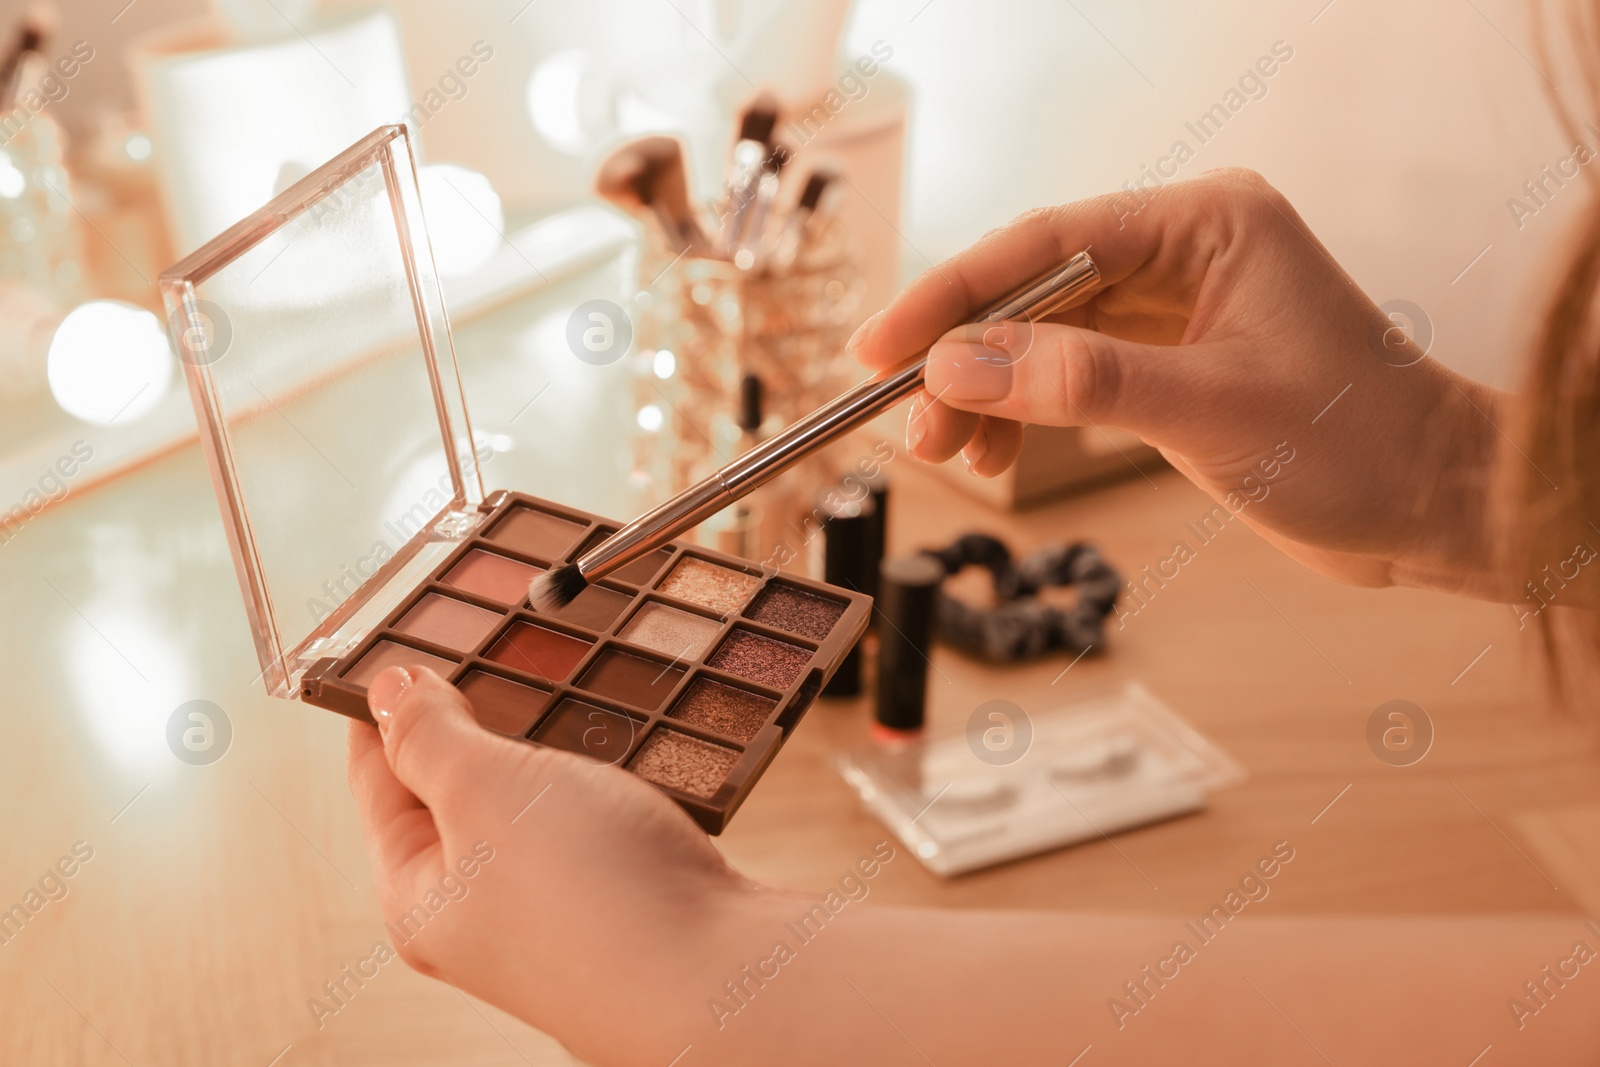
(648, 174)
(792, 237)
(30, 39)
(554, 589)
(749, 161)
(751, 237)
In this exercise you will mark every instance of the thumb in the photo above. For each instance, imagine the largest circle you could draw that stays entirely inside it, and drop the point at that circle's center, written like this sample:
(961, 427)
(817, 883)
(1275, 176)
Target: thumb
(431, 740)
(1064, 376)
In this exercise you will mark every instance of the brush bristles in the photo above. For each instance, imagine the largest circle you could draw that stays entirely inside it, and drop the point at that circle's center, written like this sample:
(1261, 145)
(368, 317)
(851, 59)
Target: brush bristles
(555, 589)
(760, 120)
(816, 185)
(633, 172)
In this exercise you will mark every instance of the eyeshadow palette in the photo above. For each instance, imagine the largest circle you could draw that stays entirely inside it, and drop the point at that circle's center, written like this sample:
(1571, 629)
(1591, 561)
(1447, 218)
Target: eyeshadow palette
(688, 669)
(318, 356)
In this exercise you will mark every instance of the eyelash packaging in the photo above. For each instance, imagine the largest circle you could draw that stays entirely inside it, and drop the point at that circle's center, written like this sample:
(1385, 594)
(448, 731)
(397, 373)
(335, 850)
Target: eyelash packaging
(1015, 784)
(319, 359)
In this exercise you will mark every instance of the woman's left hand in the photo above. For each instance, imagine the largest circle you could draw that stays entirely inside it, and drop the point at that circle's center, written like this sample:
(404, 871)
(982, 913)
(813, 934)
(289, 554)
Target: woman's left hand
(569, 893)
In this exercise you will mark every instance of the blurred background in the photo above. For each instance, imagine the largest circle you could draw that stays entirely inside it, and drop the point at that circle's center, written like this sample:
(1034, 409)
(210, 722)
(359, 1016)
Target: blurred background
(1418, 141)
(1405, 136)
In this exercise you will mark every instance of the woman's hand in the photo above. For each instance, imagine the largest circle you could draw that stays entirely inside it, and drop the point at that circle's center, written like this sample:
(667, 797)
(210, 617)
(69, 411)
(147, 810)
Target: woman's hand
(572, 895)
(1226, 336)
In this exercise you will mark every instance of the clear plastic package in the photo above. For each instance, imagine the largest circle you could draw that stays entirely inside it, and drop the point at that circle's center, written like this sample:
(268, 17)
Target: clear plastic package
(1016, 784)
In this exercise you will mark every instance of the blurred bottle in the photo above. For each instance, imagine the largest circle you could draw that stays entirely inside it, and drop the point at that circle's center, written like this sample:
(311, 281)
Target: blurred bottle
(39, 235)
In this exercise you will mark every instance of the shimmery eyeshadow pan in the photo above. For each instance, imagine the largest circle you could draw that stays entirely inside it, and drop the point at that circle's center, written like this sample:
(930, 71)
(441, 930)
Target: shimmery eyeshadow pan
(784, 607)
(722, 709)
(455, 624)
(503, 705)
(630, 679)
(686, 763)
(675, 667)
(721, 589)
(536, 532)
(761, 659)
(669, 630)
(539, 650)
(491, 575)
(392, 654)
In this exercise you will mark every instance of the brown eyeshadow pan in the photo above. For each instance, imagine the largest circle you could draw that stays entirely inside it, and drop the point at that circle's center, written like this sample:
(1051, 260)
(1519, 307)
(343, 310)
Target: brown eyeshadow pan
(386, 654)
(539, 650)
(686, 763)
(653, 668)
(492, 576)
(761, 659)
(640, 571)
(536, 532)
(596, 608)
(630, 679)
(784, 607)
(589, 730)
(503, 705)
(721, 589)
(724, 710)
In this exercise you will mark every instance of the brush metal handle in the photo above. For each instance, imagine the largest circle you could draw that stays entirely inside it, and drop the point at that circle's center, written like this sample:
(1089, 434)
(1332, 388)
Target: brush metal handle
(1044, 295)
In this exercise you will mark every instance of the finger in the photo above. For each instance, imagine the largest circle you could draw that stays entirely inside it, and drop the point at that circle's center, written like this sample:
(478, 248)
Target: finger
(1068, 376)
(994, 447)
(432, 742)
(402, 840)
(1120, 237)
(935, 431)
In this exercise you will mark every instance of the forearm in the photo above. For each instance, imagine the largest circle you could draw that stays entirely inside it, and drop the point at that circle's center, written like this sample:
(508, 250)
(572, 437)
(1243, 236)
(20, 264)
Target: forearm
(892, 985)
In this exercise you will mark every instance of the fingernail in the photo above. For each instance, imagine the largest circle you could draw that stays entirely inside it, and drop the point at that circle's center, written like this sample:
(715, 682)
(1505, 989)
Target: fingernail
(973, 363)
(975, 450)
(863, 332)
(385, 694)
(916, 424)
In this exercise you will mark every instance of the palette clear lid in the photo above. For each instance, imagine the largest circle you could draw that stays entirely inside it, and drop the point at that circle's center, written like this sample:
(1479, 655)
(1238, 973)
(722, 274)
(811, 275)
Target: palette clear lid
(1015, 783)
(318, 357)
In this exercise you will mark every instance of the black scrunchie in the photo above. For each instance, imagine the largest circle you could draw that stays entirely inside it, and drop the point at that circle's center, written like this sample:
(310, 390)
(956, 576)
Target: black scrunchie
(1020, 626)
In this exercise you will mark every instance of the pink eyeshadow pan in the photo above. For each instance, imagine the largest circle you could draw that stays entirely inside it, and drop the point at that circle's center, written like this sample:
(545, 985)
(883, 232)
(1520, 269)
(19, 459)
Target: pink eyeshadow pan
(455, 624)
(390, 654)
(495, 577)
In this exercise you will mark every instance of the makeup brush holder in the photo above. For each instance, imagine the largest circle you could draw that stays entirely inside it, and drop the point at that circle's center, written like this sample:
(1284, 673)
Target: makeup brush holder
(704, 325)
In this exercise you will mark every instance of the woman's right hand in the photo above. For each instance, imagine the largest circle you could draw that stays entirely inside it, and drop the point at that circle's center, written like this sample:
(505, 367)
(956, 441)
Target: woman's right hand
(1227, 336)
